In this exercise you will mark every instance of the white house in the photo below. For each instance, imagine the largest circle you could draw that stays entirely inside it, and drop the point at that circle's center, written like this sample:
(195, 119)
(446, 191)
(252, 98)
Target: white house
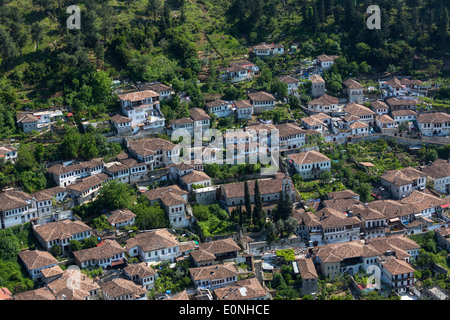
(174, 201)
(261, 101)
(37, 260)
(154, 245)
(8, 153)
(434, 124)
(143, 108)
(310, 164)
(107, 253)
(291, 82)
(60, 233)
(16, 207)
(403, 181)
(244, 109)
(323, 104)
(354, 91)
(122, 289)
(264, 50)
(214, 276)
(141, 274)
(439, 175)
(325, 61)
(317, 85)
(404, 116)
(220, 108)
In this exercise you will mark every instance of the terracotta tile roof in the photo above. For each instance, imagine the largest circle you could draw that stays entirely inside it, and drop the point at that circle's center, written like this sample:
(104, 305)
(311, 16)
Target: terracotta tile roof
(138, 95)
(198, 114)
(236, 190)
(59, 169)
(310, 121)
(147, 147)
(358, 125)
(52, 271)
(324, 100)
(331, 218)
(397, 266)
(420, 201)
(64, 289)
(407, 112)
(5, 294)
(324, 57)
(35, 259)
(267, 46)
(288, 129)
(118, 118)
(132, 163)
(113, 167)
(181, 121)
(120, 215)
(216, 103)
(344, 194)
(38, 294)
(242, 104)
(7, 149)
(401, 102)
(182, 295)
(140, 269)
(120, 287)
(60, 229)
(366, 213)
(341, 205)
(288, 79)
(152, 240)
(48, 194)
(438, 169)
(219, 246)
(378, 104)
(390, 208)
(87, 183)
(105, 251)
(336, 252)
(402, 176)
(352, 84)
(202, 255)
(395, 83)
(261, 96)
(435, 117)
(316, 79)
(306, 268)
(171, 195)
(195, 176)
(156, 87)
(397, 244)
(13, 199)
(308, 157)
(320, 116)
(385, 119)
(213, 272)
(358, 110)
(26, 118)
(351, 118)
(246, 289)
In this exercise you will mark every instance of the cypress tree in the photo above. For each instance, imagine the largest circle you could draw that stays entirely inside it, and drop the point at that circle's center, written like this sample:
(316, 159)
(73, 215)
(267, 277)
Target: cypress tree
(258, 210)
(247, 201)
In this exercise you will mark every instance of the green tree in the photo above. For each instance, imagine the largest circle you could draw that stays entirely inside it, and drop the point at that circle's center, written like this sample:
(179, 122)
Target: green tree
(115, 195)
(247, 200)
(9, 247)
(75, 245)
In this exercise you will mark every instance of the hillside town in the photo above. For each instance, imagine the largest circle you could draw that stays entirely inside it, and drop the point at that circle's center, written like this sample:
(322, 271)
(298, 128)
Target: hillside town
(157, 221)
